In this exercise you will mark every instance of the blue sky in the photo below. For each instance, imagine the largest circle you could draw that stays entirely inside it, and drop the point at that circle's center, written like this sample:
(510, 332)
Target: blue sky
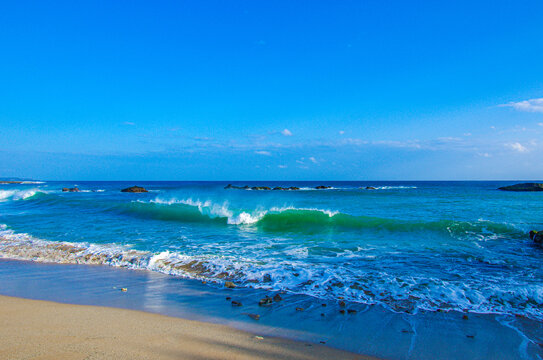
(254, 90)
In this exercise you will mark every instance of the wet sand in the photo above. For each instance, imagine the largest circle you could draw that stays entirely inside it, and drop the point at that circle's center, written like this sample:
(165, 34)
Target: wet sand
(35, 329)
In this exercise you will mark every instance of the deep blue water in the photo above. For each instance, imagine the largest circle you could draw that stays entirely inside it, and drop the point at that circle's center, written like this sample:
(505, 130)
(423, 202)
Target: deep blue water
(408, 246)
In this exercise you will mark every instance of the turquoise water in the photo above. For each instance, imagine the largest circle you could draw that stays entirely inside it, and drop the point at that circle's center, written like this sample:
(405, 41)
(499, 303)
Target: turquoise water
(408, 246)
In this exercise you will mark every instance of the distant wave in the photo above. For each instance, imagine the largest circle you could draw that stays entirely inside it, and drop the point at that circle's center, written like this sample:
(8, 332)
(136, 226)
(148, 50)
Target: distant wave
(19, 194)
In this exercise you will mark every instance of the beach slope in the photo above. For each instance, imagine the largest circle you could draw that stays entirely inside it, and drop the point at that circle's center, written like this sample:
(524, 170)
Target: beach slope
(32, 329)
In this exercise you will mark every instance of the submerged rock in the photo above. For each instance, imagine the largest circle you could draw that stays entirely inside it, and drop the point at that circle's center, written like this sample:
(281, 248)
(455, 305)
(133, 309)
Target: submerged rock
(236, 303)
(523, 187)
(265, 301)
(229, 284)
(277, 297)
(135, 189)
(260, 188)
(254, 316)
(322, 187)
(537, 236)
(74, 189)
(370, 188)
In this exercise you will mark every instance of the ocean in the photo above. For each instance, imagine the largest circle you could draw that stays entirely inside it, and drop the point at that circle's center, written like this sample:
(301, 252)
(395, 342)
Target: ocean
(409, 248)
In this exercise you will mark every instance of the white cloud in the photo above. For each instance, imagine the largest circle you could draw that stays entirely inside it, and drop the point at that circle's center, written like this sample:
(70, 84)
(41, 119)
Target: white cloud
(129, 123)
(282, 166)
(517, 147)
(540, 124)
(262, 152)
(313, 160)
(531, 105)
(286, 132)
(341, 132)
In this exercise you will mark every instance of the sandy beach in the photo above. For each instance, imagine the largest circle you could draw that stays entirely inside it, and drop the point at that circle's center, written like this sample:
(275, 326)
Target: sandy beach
(32, 329)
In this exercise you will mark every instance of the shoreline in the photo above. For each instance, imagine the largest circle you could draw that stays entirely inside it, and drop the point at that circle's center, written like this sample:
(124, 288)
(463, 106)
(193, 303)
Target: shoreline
(51, 330)
(373, 330)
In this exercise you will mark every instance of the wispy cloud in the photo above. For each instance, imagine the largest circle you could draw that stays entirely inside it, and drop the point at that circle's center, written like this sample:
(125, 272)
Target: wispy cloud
(286, 132)
(531, 105)
(341, 132)
(130, 123)
(263, 152)
(517, 147)
(282, 166)
(313, 160)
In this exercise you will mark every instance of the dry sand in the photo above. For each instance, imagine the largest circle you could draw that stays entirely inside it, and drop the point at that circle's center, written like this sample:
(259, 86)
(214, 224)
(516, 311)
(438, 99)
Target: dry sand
(32, 329)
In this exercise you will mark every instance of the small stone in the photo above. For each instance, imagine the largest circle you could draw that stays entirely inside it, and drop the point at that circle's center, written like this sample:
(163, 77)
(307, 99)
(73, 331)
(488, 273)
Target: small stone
(470, 336)
(124, 289)
(236, 303)
(299, 309)
(322, 314)
(465, 317)
(267, 278)
(228, 298)
(277, 297)
(265, 301)
(254, 316)
(342, 303)
(259, 337)
(342, 311)
(340, 297)
(229, 284)
(322, 342)
(352, 311)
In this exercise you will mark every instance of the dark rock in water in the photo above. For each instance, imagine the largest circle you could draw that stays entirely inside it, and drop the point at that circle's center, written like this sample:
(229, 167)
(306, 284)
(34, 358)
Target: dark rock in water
(228, 298)
(537, 236)
(260, 188)
(74, 189)
(370, 188)
(277, 297)
(299, 309)
(279, 188)
(294, 188)
(342, 303)
(236, 303)
(230, 186)
(342, 311)
(352, 311)
(523, 187)
(265, 301)
(465, 317)
(267, 278)
(135, 189)
(254, 316)
(322, 187)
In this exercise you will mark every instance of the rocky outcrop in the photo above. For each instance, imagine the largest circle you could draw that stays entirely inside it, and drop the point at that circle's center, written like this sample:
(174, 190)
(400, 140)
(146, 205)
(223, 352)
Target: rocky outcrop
(135, 189)
(246, 187)
(322, 187)
(74, 189)
(370, 188)
(537, 236)
(523, 187)
(10, 182)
